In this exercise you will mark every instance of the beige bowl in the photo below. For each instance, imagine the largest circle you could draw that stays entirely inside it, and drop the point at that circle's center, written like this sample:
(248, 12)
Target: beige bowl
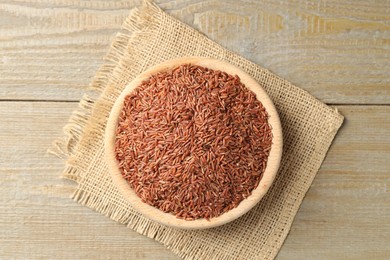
(167, 218)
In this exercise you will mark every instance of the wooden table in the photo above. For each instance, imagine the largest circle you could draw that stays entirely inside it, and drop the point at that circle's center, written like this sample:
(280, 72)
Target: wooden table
(336, 50)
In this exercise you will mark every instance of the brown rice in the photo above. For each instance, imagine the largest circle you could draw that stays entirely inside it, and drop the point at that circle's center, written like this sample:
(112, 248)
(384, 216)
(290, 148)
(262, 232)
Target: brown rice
(193, 141)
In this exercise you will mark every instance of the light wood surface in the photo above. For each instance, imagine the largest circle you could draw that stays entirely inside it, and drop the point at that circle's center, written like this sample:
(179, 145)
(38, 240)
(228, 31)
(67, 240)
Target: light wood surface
(337, 50)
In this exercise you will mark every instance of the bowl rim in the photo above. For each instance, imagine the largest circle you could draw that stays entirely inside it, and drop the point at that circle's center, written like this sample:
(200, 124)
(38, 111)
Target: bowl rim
(169, 219)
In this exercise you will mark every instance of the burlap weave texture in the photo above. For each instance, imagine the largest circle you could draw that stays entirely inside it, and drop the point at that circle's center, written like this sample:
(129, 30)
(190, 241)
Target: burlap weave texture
(150, 36)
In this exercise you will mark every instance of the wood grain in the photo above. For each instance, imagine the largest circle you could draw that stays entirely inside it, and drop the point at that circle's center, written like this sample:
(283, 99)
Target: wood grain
(37, 218)
(337, 50)
(344, 215)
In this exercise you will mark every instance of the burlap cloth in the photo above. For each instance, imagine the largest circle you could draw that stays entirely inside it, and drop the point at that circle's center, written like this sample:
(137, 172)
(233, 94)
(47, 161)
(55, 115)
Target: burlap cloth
(150, 36)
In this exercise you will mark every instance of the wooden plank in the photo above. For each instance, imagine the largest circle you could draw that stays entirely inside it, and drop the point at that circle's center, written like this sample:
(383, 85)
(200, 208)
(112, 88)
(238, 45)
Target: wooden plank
(337, 50)
(344, 215)
(37, 218)
(51, 50)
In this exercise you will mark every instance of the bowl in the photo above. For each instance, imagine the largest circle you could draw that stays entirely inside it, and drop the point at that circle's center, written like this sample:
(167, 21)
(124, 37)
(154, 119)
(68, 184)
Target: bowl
(171, 220)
